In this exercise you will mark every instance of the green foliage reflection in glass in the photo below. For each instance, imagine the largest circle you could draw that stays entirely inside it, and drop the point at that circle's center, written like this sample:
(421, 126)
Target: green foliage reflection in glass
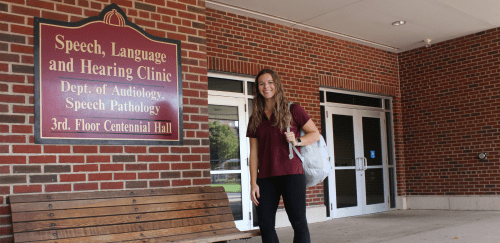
(224, 146)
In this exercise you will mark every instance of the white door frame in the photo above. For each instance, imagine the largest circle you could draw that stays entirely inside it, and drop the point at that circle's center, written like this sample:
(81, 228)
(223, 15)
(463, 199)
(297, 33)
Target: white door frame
(240, 102)
(374, 208)
(357, 113)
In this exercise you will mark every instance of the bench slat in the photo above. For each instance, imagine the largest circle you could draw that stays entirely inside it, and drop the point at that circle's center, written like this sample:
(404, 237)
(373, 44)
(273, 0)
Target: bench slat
(119, 219)
(192, 214)
(222, 237)
(146, 234)
(116, 229)
(197, 237)
(93, 212)
(49, 197)
(29, 207)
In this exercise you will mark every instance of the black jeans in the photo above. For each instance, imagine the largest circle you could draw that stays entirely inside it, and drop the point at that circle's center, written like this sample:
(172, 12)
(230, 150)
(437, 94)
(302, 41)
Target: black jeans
(293, 190)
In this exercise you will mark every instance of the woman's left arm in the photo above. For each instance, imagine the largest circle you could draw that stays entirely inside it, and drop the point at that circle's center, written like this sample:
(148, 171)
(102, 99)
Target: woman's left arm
(311, 134)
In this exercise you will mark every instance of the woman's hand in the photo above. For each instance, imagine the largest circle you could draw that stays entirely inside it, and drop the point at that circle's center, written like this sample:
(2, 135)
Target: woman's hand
(290, 138)
(255, 194)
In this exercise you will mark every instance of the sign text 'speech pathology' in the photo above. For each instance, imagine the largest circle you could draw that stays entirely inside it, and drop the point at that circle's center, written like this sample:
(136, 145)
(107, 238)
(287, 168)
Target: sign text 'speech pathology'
(104, 80)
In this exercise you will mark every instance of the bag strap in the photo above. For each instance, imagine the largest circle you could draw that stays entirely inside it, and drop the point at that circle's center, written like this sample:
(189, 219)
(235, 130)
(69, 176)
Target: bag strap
(290, 145)
(288, 130)
(298, 154)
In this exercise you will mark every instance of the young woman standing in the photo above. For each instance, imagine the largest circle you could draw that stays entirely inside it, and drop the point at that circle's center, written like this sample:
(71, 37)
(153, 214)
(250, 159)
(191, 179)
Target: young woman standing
(273, 173)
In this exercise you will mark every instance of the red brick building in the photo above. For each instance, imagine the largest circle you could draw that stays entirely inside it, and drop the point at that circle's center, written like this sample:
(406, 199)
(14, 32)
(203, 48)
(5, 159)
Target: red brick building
(450, 99)
(433, 110)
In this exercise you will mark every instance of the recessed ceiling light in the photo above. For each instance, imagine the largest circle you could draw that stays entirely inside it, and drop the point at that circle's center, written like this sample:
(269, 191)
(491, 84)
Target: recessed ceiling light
(397, 23)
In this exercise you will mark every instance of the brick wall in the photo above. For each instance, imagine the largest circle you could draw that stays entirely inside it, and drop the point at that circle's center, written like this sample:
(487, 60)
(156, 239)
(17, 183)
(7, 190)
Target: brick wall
(451, 103)
(305, 61)
(221, 42)
(26, 167)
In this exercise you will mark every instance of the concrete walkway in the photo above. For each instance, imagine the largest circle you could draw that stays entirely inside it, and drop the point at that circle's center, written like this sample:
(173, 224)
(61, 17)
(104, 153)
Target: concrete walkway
(408, 226)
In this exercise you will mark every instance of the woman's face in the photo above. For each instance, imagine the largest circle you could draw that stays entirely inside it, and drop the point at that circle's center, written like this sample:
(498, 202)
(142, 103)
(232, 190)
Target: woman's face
(266, 86)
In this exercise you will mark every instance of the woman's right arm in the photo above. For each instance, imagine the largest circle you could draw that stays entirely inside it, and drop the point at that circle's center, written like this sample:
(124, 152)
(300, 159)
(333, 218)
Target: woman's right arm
(254, 166)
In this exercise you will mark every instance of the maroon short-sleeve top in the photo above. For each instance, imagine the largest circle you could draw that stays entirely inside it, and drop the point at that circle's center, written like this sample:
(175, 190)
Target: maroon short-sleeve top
(273, 152)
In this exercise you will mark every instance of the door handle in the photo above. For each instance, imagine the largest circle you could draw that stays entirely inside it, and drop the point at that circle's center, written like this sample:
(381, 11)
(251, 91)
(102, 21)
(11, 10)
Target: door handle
(359, 164)
(365, 164)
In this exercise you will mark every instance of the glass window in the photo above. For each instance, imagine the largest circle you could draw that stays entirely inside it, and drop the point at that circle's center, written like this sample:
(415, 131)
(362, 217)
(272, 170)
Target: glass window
(390, 143)
(372, 142)
(221, 84)
(321, 96)
(387, 104)
(232, 185)
(250, 107)
(224, 137)
(353, 99)
(374, 184)
(345, 183)
(250, 88)
(343, 140)
(392, 187)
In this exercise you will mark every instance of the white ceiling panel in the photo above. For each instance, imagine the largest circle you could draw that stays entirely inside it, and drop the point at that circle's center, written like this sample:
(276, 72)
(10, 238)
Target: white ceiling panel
(488, 10)
(369, 21)
(425, 19)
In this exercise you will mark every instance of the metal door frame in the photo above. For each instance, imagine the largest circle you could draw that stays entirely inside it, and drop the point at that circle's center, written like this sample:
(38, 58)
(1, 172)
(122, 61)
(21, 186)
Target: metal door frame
(357, 113)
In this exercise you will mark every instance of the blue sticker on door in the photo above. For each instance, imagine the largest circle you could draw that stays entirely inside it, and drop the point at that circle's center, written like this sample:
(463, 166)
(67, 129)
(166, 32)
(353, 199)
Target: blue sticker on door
(372, 154)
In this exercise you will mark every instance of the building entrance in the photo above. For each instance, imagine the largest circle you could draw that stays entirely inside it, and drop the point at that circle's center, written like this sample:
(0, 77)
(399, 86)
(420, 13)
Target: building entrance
(359, 181)
(228, 154)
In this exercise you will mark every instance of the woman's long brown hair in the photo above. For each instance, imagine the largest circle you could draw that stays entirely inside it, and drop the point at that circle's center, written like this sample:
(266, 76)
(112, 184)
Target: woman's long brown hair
(281, 111)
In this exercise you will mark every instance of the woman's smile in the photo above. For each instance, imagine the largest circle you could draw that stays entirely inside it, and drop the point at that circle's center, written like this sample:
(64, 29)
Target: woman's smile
(266, 86)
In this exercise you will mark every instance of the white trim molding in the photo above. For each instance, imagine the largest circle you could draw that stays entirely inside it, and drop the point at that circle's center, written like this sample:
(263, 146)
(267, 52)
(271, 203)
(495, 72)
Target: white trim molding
(314, 214)
(480, 203)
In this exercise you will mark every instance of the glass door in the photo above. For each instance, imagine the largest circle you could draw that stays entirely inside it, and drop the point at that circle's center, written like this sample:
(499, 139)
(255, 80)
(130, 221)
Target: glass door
(359, 180)
(374, 168)
(228, 154)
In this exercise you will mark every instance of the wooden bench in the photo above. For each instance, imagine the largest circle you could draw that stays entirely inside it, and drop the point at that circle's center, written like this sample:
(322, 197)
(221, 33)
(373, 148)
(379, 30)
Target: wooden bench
(194, 214)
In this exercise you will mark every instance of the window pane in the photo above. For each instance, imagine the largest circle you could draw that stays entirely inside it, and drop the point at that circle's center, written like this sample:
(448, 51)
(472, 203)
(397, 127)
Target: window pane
(392, 188)
(343, 140)
(345, 183)
(390, 143)
(353, 99)
(321, 96)
(250, 107)
(232, 185)
(339, 98)
(374, 184)
(372, 142)
(250, 88)
(221, 84)
(367, 101)
(387, 104)
(224, 139)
